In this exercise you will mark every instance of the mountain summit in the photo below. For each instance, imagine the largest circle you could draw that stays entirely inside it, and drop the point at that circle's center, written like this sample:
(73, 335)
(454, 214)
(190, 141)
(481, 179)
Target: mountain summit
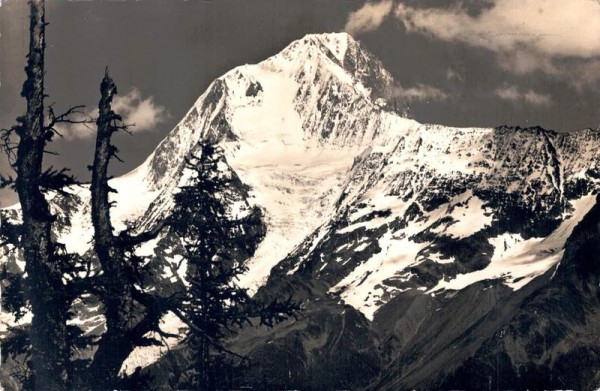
(292, 126)
(413, 246)
(306, 130)
(301, 83)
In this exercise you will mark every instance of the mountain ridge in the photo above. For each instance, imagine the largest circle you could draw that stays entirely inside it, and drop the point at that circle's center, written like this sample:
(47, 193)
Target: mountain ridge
(366, 211)
(358, 132)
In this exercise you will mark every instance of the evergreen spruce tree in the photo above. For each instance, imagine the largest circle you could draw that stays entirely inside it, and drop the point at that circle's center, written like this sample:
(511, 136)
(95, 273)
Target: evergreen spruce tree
(212, 238)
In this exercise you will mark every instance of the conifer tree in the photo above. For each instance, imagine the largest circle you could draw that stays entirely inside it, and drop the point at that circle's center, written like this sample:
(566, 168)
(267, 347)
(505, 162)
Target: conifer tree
(215, 244)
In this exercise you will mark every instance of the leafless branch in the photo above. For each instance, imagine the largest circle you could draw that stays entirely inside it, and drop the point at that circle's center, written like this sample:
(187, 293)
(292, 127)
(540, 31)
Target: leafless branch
(66, 117)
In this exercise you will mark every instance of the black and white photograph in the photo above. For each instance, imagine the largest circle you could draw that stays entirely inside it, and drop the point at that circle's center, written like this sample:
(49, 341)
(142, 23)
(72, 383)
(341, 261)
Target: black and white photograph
(299, 195)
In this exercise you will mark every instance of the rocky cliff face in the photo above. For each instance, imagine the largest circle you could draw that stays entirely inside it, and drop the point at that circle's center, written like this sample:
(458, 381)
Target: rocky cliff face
(416, 248)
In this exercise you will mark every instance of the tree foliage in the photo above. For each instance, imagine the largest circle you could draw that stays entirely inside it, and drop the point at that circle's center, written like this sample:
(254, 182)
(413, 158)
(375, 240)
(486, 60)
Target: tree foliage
(215, 244)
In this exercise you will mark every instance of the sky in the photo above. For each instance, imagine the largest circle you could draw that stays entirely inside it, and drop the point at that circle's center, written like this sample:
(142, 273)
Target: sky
(458, 62)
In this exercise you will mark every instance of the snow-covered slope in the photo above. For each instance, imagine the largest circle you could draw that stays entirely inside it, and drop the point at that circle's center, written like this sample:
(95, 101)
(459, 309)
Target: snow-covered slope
(416, 226)
(369, 203)
(292, 126)
(445, 208)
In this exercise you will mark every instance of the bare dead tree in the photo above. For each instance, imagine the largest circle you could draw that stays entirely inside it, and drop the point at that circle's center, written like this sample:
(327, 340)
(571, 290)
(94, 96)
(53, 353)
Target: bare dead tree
(50, 352)
(130, 312)
(45, 290)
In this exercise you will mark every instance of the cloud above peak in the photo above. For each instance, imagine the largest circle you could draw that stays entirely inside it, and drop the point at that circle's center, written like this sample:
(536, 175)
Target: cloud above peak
(369, 17)
(526, 35)
(419, 93)
(562, 28)
(531, 97)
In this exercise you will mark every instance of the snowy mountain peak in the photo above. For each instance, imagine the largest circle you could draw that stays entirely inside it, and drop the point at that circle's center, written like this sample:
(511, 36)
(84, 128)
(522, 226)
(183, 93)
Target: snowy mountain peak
(340, 54)
(355, 196)
(335, 46)
(324, 82)
(336, 43)
(417, 226)
(330, 166)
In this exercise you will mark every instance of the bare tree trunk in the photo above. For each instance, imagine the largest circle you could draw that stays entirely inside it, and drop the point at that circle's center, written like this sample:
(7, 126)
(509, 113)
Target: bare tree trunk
(50, 350)
(115, 344)
(130, 314)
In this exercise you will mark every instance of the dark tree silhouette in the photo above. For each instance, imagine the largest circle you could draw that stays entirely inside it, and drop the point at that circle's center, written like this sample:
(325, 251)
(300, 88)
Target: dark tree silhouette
(131, 289)
(46, 261)
(214, 245)
(130, 312)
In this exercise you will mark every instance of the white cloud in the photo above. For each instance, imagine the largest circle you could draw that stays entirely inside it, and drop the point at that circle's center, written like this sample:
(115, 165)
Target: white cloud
(526, 34)
(558, 37)
(142, 115)
(567, 28)
(369, 17)
(420, 93)
(451, 75)
(537, 99)
(513, 94)
(76, 131)
(509, 93)
(582, 74)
